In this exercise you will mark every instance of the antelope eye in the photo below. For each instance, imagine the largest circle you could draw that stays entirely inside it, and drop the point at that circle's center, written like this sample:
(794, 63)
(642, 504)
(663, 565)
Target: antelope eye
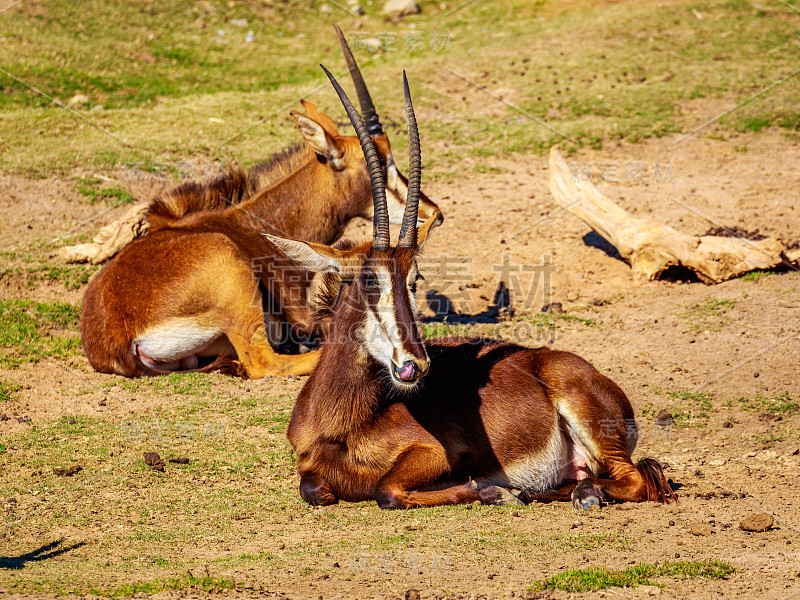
(369, 280)
(413, 285)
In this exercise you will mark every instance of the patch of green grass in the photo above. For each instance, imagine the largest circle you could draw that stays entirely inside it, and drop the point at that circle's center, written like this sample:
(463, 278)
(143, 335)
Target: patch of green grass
(73, 277)
(789, 121)
(31, 331)
(755, 124)
(699, 399)
(7, 391)
(33, 263)
(551, 320)
(708, 315)
(692, 411)
(768, 439)
(176, 87)
(437, 330)
(208, 583)
(591, 541)
(184, 384)
(598, 578)
(486, 169)
(758, 274)
(779, 404)
(118, 196)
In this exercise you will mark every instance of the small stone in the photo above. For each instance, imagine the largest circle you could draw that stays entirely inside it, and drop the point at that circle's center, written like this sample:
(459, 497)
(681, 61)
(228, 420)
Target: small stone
(553, 308)
(400, 8)
(576, 524)
(757, 522)
(701, 529)
(412, 594)
(671, 523)
(372, 44)
(356, 10)
(664, 418)
(325, 9)
(154, 461)
(78, 101)
(102, 402)
(727, 424)
(69, 471)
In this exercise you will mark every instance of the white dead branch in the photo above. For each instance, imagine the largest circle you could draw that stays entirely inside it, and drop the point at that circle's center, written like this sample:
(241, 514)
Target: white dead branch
(111, 239)
(651, 247)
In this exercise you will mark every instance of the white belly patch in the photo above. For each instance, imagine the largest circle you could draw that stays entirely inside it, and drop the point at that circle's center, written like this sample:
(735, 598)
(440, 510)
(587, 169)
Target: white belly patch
(545, 470)
(175, 339)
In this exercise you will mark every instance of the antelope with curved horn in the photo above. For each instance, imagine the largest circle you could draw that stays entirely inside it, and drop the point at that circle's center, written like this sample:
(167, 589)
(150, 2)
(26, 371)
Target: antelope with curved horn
(386, 416)
(203, 290)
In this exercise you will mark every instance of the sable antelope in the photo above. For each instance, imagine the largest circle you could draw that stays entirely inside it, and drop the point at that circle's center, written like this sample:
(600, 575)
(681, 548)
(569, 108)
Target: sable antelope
(386, 416)
(203, 286)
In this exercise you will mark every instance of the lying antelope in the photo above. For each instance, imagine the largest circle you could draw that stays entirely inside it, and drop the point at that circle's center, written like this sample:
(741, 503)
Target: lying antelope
(386, 416)
(203, 290)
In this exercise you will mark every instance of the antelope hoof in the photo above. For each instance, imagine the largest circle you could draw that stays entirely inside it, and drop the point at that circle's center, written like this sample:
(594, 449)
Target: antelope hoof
(587, 497)
(499, 496)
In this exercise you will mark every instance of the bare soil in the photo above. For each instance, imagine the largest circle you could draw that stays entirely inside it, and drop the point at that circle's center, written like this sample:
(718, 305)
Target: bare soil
(730, 458)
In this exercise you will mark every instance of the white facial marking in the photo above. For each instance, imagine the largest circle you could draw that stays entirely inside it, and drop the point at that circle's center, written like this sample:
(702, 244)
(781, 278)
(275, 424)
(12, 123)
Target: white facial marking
(381, 332)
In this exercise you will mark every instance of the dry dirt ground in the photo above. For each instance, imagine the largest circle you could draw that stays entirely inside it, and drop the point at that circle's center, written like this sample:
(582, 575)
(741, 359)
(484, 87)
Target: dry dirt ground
(722, 359)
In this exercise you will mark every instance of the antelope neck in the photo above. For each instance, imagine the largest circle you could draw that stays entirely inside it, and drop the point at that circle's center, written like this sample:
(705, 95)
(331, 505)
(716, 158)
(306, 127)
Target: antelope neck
(281, 205)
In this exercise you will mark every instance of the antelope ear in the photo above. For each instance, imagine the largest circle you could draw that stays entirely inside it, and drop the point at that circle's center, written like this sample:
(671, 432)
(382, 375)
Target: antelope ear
(316, 258)
(320, 117)
(317, 138)
(425, 229)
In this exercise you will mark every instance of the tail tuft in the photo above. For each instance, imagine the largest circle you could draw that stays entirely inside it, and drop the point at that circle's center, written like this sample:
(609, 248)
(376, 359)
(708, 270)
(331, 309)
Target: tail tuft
(658, 487)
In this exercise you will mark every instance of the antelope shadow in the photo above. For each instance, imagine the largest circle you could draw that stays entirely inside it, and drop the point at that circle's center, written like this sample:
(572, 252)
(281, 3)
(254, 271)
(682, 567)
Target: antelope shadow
(45, 552)
(445, 312)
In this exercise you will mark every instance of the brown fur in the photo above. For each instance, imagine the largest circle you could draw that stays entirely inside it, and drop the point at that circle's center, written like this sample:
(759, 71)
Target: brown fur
(208, 264)
(232, 187)
(467, 428)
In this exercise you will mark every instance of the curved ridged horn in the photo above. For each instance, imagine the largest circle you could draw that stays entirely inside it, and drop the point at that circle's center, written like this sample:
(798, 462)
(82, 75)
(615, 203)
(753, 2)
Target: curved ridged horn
(368, 112)
(408, 230)
(380, 222)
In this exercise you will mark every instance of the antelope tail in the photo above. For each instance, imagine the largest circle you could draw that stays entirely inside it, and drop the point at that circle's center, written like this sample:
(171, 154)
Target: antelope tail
(658, 487)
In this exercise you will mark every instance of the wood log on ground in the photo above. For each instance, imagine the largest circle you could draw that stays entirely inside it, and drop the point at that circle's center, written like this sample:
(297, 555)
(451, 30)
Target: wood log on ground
(651, 247)
(111, 239)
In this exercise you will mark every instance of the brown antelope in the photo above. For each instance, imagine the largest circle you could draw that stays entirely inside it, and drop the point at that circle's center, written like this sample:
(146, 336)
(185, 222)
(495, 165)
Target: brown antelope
(386, 416)
(203, 290)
